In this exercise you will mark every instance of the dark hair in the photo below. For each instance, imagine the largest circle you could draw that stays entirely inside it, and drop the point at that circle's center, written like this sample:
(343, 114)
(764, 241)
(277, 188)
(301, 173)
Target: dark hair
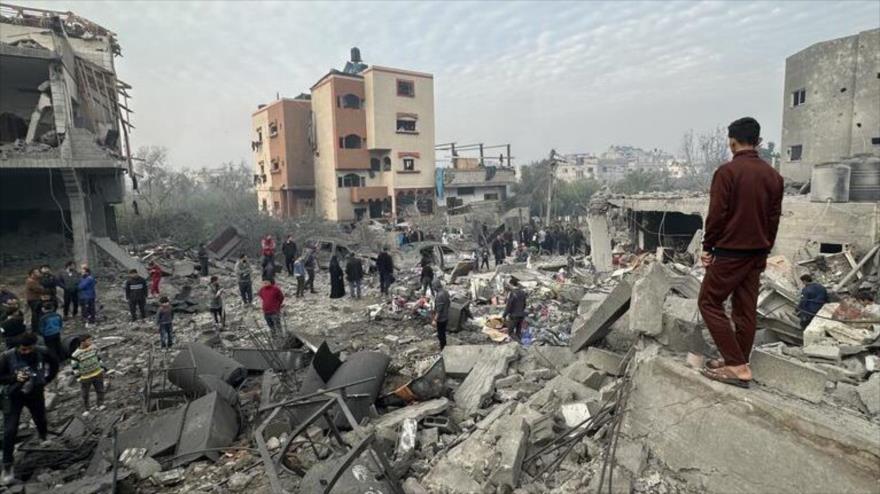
(87, 270)
(213, 279)
(242, 256)
(163, 299)
(26, 339)
(807, 278)
(746, 130)
(85, 337)
(69, 264)
(132, 271)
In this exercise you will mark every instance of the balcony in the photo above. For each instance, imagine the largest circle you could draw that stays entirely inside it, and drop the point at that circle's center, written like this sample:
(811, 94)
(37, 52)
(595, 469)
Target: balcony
(361, 194)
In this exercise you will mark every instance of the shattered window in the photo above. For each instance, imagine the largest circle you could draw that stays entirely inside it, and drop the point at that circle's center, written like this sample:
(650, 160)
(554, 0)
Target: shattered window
(406, 88)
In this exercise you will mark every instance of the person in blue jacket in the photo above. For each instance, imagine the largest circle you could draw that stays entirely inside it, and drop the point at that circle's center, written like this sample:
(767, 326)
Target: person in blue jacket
(87, 295)
(813, 297)
(51, 324)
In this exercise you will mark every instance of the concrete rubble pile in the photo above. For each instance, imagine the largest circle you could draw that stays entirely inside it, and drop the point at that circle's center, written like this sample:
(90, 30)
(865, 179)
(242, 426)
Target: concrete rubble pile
(601, 394)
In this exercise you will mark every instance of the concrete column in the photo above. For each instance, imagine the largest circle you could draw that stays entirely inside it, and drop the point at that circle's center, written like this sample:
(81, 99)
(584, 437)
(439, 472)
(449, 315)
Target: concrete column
(82, 251)
(600, 242)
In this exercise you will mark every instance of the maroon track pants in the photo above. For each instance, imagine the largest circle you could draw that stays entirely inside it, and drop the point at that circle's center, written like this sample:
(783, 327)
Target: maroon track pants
(739, 278)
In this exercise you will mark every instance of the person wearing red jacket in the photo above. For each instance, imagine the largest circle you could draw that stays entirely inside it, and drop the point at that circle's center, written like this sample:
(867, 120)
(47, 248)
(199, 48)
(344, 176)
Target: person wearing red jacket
(272, 298)
(155, 277)
(267, 249)
(745, 204)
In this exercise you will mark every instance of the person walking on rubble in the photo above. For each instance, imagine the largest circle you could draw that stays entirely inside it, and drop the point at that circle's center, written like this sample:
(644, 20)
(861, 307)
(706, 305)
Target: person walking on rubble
(299, 271)
(51, 325)
(69, 282)
(89, 370)
(267, 249)
(203, 260)
(33, 293)
(385, 266)
(50, 286)
(155, 272)
(88, 295)
(441, 311)
(245, 285)
(515, 309)
(427, 277)
(745, 203)
(216, 303)
(272, 298)
(165, 322)
(337, 278)
(24, 373)
(290, 251)
(311, 264)
(813, 297)
(498, 250)
(354, 272)
(136, 295)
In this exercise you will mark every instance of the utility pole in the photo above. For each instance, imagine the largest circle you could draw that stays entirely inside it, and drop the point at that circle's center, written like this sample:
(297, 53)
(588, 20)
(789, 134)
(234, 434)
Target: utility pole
(550, 185)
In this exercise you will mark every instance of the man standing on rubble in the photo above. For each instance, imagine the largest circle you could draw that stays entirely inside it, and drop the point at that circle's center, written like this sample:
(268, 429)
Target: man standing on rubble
(245, 285)
(441, 311)
(203, 260)
(136, 295)
(745, 203)
(69, 282)
(33, 293)
(385, 266)
(354, 272)
(311, 264)
(267, 249)
(272, 298)
(515, 309)
(290, 251)
(24, 372)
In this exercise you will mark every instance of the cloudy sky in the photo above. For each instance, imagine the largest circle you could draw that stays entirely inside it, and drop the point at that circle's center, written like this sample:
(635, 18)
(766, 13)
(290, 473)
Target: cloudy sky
(577, 77)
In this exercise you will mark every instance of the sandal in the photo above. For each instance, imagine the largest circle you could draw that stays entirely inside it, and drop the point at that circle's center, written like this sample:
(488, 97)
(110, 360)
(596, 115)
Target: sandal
(714, 363)
(723, 376)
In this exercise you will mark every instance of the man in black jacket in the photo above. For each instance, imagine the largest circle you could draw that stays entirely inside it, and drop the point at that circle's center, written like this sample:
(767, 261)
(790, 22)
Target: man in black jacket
(441, 311)
(136, 294)
(202, 254)
(385, 266)
(69, 282)
(515, 310)
(354, 272)
(24, 373)
(290, 251)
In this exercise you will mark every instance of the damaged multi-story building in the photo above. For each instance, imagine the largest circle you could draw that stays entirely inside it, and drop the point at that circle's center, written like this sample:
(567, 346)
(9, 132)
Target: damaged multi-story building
(831, 104)
(360, 145)
(465, 180)
(63, 130)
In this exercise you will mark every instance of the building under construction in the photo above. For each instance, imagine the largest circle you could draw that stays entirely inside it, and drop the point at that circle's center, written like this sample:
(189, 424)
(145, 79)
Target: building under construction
(63, 132)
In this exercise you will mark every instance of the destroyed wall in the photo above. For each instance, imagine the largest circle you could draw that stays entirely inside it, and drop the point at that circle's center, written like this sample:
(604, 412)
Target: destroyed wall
(804, 224)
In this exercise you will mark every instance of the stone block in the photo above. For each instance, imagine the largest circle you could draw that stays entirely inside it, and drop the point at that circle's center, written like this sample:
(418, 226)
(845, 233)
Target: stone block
(589, 302)
(412, 486)
(823, 352)
(682, 326)
(512, 445)
(869, 393)
(478, 386)
(508, 382)
(848, 395)
(788, 375)
(589, 330)
(416, 411)
(144, 468)
(632, 456)
(542, 374)
(648, 295)
(603, 360)
(428, 439)
(575, 414)
(460, 359)
(563, 390)
(584, 374)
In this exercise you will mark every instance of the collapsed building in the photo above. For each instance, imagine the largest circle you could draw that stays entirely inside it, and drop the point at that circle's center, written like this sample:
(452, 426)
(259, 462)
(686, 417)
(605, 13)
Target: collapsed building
(63, 131)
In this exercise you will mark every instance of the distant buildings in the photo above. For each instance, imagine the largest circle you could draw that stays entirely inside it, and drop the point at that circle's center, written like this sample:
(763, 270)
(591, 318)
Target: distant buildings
(360, 146)
(613, 164)
(832, 103)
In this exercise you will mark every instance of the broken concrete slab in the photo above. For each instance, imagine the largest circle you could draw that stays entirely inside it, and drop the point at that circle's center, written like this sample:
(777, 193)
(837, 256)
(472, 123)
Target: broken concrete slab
(811, 448)
(210, 423)
(512, 445)
(563, 390)
(648, 295)
(460, 359)
(848, 395)
(479, 384)
(682, 326)
(417, 411)
(589, 302)
(788, 375)
(575, 414)
(451, 478)
(605, 361)
(631, 455)
(869, 393)
(195, 359)
(254, 359)
(588, 331)
(584, 374)
(825, 326)
(823, 352)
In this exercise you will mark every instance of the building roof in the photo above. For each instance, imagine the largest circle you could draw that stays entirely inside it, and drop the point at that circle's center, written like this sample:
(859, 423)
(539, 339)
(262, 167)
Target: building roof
(467, 178)
(335, 73)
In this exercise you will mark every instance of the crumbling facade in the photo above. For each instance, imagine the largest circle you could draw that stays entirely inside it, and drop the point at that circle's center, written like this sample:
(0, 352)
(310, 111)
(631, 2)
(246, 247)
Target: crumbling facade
(371, 133)
(63, 130)
(832, 103)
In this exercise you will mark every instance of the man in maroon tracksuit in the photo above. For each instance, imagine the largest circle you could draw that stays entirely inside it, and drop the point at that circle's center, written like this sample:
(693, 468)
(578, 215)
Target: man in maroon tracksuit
(745, 203)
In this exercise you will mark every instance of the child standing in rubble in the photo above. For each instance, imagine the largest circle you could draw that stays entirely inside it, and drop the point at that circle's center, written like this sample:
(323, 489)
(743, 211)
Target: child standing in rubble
(89, 370)
(216, 305)
(165, 320)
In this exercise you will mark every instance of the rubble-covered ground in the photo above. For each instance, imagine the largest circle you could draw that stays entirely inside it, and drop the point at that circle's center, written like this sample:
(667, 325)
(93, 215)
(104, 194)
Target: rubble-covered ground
(551, 414)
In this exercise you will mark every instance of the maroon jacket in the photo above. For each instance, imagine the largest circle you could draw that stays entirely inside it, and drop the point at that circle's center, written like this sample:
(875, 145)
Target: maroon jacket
(745, 203)
(272, 298)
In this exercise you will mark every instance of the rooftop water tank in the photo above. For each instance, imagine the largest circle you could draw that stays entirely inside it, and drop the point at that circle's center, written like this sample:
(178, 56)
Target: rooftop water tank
(864, 185)
(830, 182)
